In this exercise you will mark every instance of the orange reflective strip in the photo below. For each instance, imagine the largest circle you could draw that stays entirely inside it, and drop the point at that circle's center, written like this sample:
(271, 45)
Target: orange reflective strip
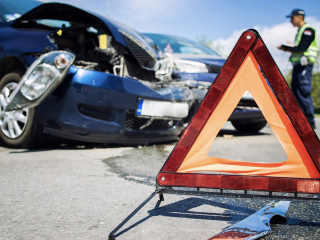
(248, 77)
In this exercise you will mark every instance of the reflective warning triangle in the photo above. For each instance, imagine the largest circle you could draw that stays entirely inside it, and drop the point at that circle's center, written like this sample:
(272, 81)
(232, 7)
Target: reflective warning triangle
(189, 164)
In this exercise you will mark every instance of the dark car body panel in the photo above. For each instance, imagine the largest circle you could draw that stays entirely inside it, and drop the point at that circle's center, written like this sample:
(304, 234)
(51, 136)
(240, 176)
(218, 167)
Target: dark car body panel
(12, 45)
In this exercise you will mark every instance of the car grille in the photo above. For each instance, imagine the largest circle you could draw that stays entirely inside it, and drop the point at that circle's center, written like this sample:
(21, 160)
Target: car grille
(214, 69)
(145, 58)
(100, 113)
(135, 123)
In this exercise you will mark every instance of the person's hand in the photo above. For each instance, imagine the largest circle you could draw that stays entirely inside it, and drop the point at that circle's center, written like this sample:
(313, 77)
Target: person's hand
(281, 47)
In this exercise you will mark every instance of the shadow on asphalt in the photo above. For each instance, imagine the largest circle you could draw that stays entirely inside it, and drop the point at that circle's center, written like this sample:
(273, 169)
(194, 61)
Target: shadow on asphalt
(233, 213)
(183, 209)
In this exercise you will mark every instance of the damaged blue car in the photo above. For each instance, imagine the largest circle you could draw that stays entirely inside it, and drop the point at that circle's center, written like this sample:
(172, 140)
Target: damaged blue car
(77, 75)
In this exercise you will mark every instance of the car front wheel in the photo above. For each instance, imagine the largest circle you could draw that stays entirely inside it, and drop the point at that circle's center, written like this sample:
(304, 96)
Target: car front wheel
(20, 128)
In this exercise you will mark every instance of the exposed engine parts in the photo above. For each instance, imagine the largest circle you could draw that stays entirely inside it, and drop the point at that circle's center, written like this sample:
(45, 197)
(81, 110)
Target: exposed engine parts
(95, 49)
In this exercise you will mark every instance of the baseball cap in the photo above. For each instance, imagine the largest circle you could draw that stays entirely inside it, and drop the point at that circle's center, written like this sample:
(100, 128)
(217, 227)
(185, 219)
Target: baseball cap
(296, 12)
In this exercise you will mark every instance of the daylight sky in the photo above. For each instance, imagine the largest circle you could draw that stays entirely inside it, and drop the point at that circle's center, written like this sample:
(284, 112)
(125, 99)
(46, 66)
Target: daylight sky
(222, 21)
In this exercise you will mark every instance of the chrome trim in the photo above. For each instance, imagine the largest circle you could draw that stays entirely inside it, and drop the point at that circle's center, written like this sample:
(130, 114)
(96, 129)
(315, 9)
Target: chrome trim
(258, 224)
(12, 124)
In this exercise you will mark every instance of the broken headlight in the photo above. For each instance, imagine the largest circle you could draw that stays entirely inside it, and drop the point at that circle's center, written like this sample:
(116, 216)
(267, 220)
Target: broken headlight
(49, 70)
(43, 76)
(190, 66)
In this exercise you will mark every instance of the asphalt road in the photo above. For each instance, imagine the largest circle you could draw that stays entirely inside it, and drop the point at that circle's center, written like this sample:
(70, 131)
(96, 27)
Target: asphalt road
(83, 191)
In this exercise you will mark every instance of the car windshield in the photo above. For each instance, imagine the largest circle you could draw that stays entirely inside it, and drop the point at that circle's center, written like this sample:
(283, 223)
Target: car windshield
(13, 9)
(173, 44)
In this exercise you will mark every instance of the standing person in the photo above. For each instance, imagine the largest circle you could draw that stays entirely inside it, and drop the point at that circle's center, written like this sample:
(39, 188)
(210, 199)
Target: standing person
(304, 55)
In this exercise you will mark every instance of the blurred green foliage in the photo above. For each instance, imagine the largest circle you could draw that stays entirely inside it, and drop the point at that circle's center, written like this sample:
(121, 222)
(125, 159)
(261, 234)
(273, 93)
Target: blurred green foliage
(205, 40)
(316, 91)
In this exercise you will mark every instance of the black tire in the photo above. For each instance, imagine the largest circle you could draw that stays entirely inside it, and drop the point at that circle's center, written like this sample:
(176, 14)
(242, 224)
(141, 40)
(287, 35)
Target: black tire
(249, 126)
(32, 133)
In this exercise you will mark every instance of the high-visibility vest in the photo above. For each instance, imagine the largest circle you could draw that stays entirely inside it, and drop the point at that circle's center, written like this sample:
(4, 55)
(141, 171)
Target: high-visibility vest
(312, 52)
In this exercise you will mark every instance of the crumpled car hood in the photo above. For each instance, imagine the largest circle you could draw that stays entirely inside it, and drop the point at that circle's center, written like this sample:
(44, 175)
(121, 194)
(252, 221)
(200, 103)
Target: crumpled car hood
(65, 12)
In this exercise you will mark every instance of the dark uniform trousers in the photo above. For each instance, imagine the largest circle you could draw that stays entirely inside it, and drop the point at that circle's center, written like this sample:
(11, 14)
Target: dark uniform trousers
(301, 88)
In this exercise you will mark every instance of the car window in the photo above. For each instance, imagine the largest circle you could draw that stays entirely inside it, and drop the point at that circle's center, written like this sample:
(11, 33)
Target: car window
(13, 9)
(173, 44)
(54, 23)
(191, 50)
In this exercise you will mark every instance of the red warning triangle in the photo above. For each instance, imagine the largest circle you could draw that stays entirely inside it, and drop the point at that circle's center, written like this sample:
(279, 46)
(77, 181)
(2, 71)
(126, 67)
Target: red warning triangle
(189, 164)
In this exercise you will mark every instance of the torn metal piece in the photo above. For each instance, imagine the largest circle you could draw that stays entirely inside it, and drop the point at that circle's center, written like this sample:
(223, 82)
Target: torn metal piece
(258, 224)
